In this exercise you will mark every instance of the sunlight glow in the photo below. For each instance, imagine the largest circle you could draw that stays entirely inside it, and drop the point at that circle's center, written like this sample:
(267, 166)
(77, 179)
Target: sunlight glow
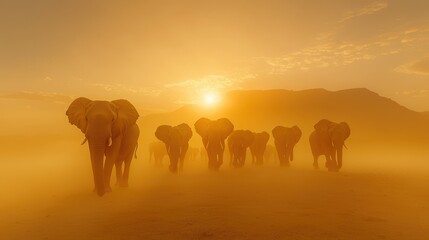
(211, 99)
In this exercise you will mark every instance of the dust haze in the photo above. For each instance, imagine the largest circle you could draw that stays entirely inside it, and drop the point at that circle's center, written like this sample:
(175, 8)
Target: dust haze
(380, 192)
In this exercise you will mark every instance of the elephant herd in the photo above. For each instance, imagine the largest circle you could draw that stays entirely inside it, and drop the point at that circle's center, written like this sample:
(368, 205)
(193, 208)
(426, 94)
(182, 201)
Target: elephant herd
(112, 134)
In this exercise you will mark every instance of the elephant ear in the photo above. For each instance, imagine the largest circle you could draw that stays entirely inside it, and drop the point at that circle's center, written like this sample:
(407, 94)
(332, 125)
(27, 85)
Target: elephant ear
(249, 137)
(163, 133)
(323, 126)
(77, 113)
(185, 131)
(279, 132)
(265, 137)
(225, 127)
(345, 129)
(127, 115)
(202, 126)
(296, 133)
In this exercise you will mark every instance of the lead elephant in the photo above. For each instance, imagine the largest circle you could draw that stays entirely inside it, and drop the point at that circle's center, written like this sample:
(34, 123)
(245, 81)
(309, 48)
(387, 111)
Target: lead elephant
(285, 139)
(112, 133)
(258, 147)
(238, 142)
(176, 140)
(328, 139)
(213, 135)
(157, 150)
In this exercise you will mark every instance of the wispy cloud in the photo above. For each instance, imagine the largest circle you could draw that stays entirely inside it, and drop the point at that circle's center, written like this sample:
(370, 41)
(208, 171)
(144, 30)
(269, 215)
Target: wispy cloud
(422, 93)
(366, 10)
(206, 82)
(123, 88)
(331, 53)
(38, 96)
(420, 67)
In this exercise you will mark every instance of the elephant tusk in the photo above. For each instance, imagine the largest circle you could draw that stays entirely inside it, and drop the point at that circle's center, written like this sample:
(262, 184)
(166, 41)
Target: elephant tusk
(109, 143)
(84, 141)
(345, 146)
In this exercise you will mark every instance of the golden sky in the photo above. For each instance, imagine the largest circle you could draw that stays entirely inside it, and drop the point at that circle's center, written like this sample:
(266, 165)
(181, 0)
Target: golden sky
(162, 54)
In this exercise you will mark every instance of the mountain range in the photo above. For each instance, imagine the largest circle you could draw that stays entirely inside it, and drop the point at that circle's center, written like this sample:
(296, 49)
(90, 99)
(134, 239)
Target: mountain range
(373, 119)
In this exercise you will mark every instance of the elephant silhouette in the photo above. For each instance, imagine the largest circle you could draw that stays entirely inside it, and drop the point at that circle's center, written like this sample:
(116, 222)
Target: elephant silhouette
(270, 153)
(285, 139)
(238, 142)
(257, 149)
(176, 140)
(213, 135)
(328, 139)
(112, 134)
(157, 151)
(192, 154)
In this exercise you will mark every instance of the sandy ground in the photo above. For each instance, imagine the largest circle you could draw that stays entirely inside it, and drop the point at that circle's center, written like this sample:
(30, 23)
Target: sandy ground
(50, 197)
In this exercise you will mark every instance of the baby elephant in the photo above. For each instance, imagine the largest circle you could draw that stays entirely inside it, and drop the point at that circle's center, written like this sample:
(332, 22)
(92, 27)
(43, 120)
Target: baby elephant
(176, 142)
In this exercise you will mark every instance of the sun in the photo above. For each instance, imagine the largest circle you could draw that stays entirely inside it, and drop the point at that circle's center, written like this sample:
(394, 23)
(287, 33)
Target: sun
(211, 98)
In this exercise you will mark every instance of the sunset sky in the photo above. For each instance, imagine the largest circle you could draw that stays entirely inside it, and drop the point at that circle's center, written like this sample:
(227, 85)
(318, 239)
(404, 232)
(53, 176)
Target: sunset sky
(163, 54)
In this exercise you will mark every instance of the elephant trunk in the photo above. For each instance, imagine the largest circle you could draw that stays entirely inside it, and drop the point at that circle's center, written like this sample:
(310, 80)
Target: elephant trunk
(291, 154)
(97, 151)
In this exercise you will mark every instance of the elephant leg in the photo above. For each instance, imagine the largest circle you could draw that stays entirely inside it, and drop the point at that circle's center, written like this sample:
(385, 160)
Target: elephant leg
(315, 161)
(181, 163)
(220, 160)
(333, 166)
(286, 159)
(111, 155)
(126, 173)
(119, 176)
(328, 161)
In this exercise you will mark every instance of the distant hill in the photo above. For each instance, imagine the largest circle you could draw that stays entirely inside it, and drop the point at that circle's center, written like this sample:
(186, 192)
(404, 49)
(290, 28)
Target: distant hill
(373, 119)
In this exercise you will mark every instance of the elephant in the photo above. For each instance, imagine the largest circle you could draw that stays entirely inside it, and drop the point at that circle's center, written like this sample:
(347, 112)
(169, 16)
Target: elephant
(176, 140)
(192, 154)
(328, 139)
(270, 153)
(258, 147)
(213, 135)
(238, 142)
(158, 151)
(112, 134)
(285, 139)
(203, 154)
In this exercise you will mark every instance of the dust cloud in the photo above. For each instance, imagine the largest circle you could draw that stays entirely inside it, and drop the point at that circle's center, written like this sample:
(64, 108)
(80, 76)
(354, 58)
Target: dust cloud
(47, 188)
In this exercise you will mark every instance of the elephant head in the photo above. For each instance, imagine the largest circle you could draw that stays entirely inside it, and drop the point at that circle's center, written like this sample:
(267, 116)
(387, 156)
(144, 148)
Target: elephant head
(103, 124)
(285, 139)
(176, 142)
(332, 137)
(238, 142)
(258, 147)
(213, 135)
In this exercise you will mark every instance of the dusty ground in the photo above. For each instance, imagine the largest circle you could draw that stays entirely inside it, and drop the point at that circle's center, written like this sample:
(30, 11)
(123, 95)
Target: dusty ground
(50, 197)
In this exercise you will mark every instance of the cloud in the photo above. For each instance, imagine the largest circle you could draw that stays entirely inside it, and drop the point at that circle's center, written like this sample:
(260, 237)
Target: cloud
(38, 96)
(331, 53)
(414, 93)
(209, 82)
(122, 88)
(367, 10)
(420, 67)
